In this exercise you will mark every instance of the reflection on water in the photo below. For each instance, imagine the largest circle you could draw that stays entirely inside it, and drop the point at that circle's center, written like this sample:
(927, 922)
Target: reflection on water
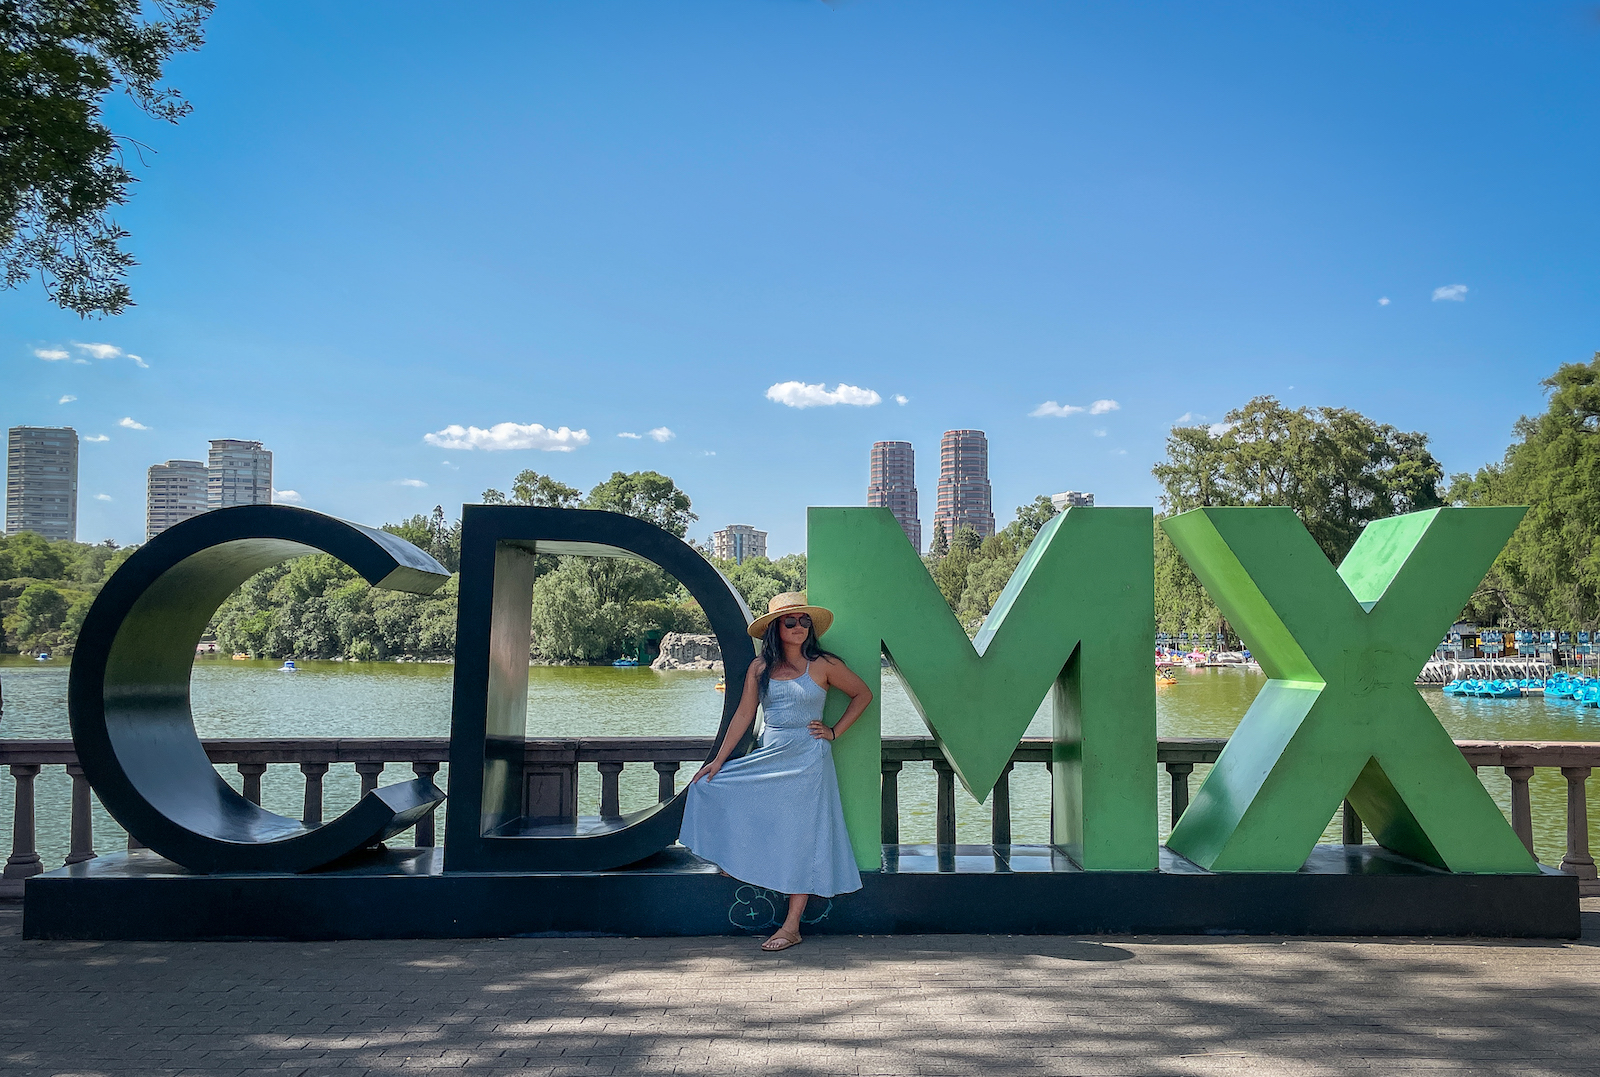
(325, 699)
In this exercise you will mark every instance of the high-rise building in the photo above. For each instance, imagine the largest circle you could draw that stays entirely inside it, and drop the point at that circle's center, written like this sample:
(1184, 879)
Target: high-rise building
(1072, 499)
(965, 499)
(737, 542)
(42, 481)
(175, 491)
(894, 486)
(239, 473)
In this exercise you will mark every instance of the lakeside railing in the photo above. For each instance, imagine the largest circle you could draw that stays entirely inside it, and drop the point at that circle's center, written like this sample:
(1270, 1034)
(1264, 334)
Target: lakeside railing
(551, 771)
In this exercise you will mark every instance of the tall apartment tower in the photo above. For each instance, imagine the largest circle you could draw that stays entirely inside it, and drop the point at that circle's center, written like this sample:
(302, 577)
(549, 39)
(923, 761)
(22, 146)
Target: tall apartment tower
(965, 499)
(894, 486)
(737, 542)
(239, 473)
(42, 481)
(175, 491)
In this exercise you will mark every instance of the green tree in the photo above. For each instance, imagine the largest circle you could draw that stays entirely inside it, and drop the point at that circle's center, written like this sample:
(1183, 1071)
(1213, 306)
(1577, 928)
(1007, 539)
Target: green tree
(939, 544)
(760, 580)
(646, 495)
(41, 611)
(61, 168)
(1337, 469)
(1549, 573)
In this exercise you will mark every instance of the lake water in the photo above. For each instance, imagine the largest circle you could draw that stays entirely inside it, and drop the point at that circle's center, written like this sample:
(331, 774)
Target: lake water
(328, 699)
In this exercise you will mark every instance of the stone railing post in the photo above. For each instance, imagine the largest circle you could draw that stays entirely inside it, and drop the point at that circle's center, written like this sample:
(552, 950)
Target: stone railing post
(369, 776)
(610, 801)
(252, 772)
(82, 817)
(1179, 773)
(666, 779)
(889, 802)
(426, 835)
(1578, 861)
(311, 813)
(1000, 809)
(1521, 806)
(24, 858)
(945, 814)
(1351, 825)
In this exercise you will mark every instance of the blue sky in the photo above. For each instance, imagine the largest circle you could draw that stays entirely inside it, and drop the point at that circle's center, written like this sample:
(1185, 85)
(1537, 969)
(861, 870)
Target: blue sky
(385, 220)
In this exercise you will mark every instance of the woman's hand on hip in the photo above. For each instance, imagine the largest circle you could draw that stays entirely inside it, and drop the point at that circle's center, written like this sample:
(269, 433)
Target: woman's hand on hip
(820, 730)
(707, 772)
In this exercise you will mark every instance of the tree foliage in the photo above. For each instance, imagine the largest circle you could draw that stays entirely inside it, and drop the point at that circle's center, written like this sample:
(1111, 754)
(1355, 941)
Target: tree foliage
(61, 169)
(46, 588)
(1549, 573)
(1336, 468)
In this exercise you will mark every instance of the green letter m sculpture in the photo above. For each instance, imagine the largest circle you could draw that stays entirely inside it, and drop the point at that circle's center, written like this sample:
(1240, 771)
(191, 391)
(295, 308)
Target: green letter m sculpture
(1074, 619)
(1340, 715)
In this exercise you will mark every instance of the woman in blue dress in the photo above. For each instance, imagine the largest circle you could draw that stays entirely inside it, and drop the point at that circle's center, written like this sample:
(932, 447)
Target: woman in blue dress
(772, 818)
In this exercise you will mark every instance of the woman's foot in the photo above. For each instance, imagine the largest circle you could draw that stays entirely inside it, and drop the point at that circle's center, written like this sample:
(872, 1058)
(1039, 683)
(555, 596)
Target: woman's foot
(781, 939)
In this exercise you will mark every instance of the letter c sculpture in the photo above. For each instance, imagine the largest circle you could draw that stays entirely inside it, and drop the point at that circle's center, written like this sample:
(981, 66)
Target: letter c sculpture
(129, 691)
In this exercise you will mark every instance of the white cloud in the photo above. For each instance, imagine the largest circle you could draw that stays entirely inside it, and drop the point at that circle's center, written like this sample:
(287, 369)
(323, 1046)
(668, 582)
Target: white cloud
(410, 482)
(1383, 301)
(711, 452)
(1051, 408)
(901, 399)
(630, 435)
(67, 399)
(286, 497)
(140, 363)
(102, 497)
(1099, 433)
(1189, 417)
(1101, 407)
(97, 437)
(131, 425)
(52, 354)
(99, 351)
(1216, 430)
(1119, 452)
(662, 434)
(797, 394)
(1456, 293)
(503, 436)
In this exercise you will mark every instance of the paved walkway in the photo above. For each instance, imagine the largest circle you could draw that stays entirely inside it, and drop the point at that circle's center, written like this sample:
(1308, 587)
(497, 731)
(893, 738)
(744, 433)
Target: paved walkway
(906, 1005)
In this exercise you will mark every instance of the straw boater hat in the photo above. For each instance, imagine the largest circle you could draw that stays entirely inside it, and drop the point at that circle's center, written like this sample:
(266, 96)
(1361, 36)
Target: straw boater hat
(791, 602)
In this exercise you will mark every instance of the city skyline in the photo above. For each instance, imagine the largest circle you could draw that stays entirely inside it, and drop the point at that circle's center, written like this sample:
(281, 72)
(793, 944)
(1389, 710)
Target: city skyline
(641, 238)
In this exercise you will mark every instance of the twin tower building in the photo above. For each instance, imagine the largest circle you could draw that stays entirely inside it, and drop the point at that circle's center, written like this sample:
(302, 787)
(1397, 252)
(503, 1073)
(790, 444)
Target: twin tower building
(965, 499)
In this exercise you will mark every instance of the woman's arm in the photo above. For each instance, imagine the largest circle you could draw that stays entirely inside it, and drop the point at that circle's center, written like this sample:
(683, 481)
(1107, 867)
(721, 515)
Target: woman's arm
(838, 675)
(737, 727)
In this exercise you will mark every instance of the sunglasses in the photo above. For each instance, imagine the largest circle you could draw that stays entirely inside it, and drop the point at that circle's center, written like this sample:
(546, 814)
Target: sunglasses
(802, 621)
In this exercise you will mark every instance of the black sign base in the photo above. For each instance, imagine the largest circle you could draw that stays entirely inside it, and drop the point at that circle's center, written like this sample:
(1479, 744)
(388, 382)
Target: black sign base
(966, 889)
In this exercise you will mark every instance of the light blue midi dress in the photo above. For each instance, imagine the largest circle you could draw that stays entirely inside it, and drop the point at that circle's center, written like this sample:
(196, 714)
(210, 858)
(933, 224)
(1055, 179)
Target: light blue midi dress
(773, 818)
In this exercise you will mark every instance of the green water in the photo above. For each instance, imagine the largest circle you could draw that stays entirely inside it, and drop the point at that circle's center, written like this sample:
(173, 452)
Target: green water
(328, 699)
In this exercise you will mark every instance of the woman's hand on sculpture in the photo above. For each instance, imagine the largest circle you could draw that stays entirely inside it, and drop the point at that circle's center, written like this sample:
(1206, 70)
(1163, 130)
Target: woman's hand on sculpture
(820, 731)
(707, 772)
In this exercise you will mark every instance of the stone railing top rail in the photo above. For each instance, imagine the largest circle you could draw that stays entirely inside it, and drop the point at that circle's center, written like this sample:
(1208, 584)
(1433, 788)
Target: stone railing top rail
(650, 749)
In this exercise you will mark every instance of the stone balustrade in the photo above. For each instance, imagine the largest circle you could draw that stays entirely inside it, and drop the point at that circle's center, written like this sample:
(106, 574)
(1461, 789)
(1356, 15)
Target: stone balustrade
(551, 779)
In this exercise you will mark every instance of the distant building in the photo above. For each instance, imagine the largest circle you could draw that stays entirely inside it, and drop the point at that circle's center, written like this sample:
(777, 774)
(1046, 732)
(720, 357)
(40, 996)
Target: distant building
(239, 473)
(175, 491)
(42, 481)
(894, 486)
(737, 542)
(965, 499)
(1072, 499)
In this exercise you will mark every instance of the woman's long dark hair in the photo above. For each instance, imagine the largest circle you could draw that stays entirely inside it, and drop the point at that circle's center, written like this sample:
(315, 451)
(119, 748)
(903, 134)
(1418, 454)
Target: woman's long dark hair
(772, 651)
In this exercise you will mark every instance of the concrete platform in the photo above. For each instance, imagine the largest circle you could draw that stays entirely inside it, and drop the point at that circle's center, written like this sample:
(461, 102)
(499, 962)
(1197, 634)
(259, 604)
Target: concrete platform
(979, 889)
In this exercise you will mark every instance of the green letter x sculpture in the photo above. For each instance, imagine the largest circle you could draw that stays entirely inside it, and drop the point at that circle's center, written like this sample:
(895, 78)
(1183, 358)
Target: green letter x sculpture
(1341, 715)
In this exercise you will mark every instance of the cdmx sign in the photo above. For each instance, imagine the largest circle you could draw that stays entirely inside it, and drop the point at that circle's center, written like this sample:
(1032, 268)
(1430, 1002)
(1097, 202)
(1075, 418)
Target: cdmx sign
(1339, 715)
